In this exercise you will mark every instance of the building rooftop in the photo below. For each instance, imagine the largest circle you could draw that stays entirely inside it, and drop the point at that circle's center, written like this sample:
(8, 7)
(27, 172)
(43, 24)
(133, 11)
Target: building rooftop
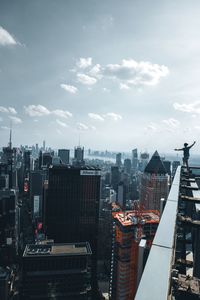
(155, 165)
(134, 217)
(57, 249)
(74, 167)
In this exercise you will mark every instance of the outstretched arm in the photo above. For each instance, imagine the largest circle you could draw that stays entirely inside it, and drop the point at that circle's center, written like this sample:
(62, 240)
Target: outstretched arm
(179, 149)
(192, 145)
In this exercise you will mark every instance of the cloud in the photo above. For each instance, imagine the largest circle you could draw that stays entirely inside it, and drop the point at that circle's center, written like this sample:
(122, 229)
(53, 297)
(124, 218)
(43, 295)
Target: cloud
(3, 109)
(6, 38)
(61, 113)
(61, 123)
(81, 126)
(96, 72)
(15, 120)
(40, 110)
(172, 123)
(133, 73)
(85, 79)
(189, 107)
(151, 127)
(9, 110)
(113, 116)
(12, 110)
(36, 110)
(84, 63)
(69, 88)
(96, 117)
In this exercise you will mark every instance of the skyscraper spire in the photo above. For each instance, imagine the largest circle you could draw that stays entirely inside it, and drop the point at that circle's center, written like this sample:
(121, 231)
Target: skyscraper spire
(10, 139)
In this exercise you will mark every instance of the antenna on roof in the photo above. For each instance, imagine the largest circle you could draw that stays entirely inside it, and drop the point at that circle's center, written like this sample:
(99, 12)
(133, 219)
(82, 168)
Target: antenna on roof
(10, 138)
(79, 140)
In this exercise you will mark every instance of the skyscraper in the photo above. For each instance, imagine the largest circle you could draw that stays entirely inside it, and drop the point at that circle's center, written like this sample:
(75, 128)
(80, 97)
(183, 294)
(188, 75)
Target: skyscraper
(128, 230)
(72, 207)
(154, 183)
(64, 155)
(78, 156)
(134, 160)
(115, 177)
(118, 159)
(56, 271)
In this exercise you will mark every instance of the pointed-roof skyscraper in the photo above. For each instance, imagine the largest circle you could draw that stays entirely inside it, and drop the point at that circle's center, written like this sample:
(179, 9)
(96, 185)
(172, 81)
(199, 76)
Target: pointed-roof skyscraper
(155, 165)
(154, 183)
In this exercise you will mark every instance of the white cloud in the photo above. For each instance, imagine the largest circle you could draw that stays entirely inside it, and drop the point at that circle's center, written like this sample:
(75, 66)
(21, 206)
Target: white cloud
(81, 126)
(172, 123)
(151, 127)
(83, 63)
(85, 79)
(96, 71)
(188, 107)
(133, 73)
(40, 110)
(3, 109)
(61, 123)
(113, 116)
(36, 110)
(62, 113)
(10, 110)
(96, 117)
(6, 38)
(69, 88)
(15, 120)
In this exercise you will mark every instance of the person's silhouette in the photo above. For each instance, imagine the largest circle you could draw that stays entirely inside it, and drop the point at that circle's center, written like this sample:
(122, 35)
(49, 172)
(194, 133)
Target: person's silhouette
(186, 153)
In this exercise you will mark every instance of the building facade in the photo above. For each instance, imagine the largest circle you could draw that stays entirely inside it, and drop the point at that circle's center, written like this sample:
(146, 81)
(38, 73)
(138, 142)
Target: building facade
(56, 271)
(71, 208)
(129, 228)
(154, 183)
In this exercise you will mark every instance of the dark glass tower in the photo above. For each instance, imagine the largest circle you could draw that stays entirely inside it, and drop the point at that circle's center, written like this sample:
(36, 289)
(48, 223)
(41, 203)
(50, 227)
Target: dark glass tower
(72, 207)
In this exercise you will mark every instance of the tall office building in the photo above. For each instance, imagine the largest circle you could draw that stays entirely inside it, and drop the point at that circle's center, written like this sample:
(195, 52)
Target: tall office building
(78, 156)
(127, 165)
(56, 271)
(154, 183)
(72, 207)
(9, 225)
(127, 262)
(118, 159)
(45, 159)
(134, 160)
(64, 155)
(144, 158)
(115, 177)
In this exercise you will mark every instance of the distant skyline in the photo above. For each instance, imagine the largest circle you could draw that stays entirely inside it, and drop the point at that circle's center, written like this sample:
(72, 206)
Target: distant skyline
(121, 74)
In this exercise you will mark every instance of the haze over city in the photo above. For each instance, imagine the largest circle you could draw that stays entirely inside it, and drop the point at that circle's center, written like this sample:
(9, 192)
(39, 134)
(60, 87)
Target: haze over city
(119, 74)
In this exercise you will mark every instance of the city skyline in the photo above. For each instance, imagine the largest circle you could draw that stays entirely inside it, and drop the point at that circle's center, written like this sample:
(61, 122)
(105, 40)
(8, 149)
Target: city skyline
(92, 69)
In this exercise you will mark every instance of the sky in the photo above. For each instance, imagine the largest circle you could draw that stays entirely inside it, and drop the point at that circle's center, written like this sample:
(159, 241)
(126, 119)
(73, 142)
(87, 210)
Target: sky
(118, 74)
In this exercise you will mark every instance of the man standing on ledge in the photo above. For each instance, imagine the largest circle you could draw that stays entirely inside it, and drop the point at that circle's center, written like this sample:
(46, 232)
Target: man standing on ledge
(186, 153)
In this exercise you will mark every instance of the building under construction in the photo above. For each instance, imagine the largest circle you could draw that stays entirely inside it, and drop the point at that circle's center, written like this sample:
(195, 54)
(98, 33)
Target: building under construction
(133, 232)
